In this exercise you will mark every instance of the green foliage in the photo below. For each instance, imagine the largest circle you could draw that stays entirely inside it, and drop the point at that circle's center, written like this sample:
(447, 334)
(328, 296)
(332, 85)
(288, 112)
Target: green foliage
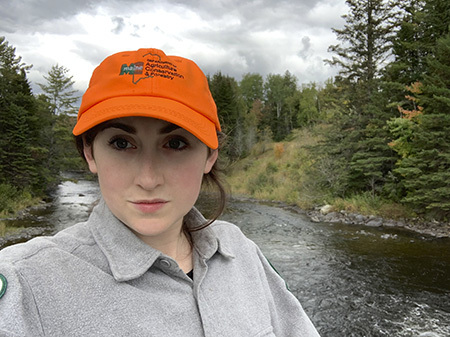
(424, 140)
(408, 45)
(252, 88)
(12, 199)
(279, 115)
(57, 102)
(7, 193)
(34, 140)
(20, 141)
(368, 204)
(367, 34)
(308, 110)
(230, 107)
(358, 141)
(58, 90)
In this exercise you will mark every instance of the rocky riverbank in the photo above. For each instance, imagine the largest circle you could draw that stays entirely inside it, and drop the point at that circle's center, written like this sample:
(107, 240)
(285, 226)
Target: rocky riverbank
(15, 234)
(327, 214)
(431, 228)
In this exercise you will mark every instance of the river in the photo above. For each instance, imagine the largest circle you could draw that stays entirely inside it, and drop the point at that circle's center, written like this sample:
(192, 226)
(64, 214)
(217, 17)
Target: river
(352, 280)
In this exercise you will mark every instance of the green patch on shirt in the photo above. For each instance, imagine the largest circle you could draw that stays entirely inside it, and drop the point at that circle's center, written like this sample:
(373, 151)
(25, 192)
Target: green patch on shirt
(3, 285)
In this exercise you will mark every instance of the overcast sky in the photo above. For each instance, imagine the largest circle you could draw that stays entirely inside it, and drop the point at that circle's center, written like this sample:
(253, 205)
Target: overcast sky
(231, 36)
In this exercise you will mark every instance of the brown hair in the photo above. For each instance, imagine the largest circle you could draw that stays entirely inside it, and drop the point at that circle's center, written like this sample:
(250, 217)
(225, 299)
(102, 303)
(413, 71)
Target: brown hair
(213, 178)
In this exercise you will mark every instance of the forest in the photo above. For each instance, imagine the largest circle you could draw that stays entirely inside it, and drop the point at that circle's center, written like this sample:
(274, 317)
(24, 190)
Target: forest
(382, 124)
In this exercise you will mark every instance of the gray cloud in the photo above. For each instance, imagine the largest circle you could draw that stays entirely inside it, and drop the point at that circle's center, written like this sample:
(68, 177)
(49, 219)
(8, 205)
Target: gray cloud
(120, 23)
(31, 15)
(306, 45)
(92, 53)
(234, 36)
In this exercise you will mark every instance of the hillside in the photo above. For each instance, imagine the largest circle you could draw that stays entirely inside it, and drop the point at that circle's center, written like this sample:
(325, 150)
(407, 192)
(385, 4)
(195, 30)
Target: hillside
(282, 171)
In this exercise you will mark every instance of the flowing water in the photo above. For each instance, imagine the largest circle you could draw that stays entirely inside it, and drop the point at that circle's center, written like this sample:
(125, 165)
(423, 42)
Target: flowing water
(352, 280)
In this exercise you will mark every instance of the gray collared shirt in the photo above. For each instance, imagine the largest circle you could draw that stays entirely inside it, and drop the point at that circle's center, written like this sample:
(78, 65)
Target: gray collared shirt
(98, 279)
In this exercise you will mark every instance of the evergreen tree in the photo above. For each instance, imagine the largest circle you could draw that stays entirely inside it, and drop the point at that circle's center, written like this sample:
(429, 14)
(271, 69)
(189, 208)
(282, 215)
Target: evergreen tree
(420, 25)
(331, 103)
(59, 90)
(425, 166)
(59, 98)
(367, 35)
(359, 140)
(436, 22)
(230, 106)
(408, 46)
(21, 143)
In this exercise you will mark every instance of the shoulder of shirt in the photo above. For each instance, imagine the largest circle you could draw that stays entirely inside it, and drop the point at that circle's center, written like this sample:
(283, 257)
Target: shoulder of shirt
(230, 234)
(221, 226)
(67, 240)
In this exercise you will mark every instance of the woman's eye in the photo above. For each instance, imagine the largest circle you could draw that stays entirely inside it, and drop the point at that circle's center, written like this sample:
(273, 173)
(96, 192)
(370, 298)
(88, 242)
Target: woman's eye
(121, 144)
(176, 144)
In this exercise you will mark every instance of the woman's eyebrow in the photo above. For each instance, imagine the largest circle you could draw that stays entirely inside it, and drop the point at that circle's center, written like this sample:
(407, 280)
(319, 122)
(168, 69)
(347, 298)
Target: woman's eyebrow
(125, 127)
(169, 128)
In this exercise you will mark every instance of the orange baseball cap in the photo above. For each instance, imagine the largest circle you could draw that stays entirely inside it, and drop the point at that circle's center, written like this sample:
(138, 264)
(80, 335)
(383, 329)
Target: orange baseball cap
(148, 83)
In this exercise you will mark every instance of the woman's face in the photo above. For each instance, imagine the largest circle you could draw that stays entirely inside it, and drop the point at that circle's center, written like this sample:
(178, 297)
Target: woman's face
(150, 173)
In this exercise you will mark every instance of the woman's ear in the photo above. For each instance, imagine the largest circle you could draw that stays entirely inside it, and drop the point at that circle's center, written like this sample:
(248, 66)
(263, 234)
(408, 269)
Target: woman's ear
(210, 161)
(88, 151)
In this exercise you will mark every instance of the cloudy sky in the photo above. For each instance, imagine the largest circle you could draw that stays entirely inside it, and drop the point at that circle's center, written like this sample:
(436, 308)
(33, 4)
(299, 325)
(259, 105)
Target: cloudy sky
(231, 36)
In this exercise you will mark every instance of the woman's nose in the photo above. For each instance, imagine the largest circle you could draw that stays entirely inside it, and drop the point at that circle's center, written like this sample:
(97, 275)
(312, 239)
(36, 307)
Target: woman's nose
(150, 174)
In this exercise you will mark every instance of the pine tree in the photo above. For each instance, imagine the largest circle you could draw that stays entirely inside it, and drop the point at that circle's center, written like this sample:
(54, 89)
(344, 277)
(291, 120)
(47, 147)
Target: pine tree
(230, 107)
(425, 167)
(408, 46)
(21, 146)
(59, 98)
(59, 90)
(359, 140)
(366, 46)
(420, 25)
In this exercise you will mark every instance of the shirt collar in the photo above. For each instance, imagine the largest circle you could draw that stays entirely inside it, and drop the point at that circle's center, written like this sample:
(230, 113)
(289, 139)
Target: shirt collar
(206, 241)
(129, 257)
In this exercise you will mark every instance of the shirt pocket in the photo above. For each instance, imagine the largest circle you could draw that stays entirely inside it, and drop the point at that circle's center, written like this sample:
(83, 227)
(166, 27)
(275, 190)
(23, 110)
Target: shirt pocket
(268, 332)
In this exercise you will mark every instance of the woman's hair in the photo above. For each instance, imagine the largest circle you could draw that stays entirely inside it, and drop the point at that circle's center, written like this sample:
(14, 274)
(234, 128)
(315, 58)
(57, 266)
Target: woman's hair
(213, 178)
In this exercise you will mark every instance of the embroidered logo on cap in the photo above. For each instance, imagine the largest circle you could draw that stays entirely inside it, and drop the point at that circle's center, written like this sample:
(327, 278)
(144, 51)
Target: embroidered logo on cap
(133, 68)
(3, 285)
(152, 66)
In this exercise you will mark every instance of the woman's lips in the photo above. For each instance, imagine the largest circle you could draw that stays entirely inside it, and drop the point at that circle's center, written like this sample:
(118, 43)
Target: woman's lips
(149, 206)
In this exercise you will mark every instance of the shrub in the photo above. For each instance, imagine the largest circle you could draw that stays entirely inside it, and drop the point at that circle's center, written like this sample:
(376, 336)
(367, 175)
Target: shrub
(8, 195)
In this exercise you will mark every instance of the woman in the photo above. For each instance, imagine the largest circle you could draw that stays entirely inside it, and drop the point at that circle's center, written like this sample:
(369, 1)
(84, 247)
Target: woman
(147, 263)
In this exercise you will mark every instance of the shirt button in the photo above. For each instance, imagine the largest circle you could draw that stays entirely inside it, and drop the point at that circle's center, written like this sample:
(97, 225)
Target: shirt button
(165, 263)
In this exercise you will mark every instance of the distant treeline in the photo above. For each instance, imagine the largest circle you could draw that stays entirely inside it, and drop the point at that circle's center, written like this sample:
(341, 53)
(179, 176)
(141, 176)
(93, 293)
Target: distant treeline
(387, 111)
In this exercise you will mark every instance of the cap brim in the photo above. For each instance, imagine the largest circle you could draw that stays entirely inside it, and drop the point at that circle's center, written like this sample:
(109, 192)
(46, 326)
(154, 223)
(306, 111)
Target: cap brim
(145, 106)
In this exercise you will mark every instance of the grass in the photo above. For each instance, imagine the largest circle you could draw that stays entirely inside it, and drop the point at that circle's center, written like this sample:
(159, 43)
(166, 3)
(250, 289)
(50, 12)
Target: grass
(13, 200)
(287, 171)
(278, 172)
(7, 230)
(367, 204)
